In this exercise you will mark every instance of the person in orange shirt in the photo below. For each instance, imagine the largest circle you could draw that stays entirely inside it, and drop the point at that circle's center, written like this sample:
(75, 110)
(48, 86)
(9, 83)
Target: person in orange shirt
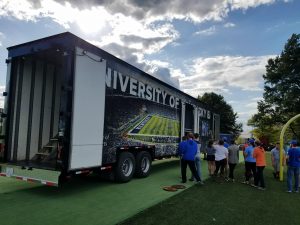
(259, 155)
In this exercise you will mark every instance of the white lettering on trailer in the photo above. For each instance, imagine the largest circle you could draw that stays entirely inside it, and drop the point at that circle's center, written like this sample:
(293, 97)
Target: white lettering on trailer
(172, 101)
(164, 95)
(133, 86)
(158, 93)
(148, 92)
(117, 80)
(141, 90)
(123, 83)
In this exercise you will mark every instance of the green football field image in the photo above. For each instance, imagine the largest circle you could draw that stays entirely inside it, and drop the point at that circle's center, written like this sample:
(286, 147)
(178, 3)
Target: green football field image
(158, 125)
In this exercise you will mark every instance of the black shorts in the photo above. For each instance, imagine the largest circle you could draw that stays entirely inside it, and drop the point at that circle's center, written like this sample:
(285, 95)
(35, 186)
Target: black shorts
(210, 157)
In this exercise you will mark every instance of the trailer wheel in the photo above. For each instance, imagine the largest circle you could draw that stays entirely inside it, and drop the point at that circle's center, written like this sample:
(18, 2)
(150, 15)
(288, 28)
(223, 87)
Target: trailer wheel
(143, 164)
(125, 167)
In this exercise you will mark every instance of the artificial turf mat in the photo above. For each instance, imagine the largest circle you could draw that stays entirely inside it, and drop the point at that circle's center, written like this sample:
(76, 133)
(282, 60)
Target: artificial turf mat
(87, 200)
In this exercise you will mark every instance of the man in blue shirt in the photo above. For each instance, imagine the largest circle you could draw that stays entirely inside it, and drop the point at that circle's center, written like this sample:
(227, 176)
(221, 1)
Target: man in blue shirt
(250, 162)
(189, 152)
(293, 166)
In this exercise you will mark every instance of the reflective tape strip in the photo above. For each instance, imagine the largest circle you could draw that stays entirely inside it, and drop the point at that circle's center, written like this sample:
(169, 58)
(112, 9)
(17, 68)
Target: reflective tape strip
(106, 168)
(48, 183)
(82, 171)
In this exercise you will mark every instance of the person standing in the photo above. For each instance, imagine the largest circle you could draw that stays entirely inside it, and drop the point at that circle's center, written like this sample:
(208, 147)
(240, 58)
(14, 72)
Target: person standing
(275, 158)
(233, 159)
(259, 155)
(221, 157)
(211, 151)
(197, 157)
(188, 158)
(181, 147)
(250, 162)
(293, 159)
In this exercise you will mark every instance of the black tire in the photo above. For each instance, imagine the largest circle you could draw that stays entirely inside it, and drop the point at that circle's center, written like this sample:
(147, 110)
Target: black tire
(125, 167)
(143, 164)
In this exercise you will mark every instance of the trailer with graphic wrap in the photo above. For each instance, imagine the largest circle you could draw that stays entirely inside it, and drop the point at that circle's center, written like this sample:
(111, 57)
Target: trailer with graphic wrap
(72, 108)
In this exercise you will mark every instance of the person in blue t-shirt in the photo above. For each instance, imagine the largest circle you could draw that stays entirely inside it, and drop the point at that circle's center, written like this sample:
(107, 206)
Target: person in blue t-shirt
(188, 158)
(250, 162)
(293, 160)
(226, 145)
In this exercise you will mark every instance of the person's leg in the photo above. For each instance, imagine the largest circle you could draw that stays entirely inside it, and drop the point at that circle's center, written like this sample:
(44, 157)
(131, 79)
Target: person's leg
(198, 165)
(277, 165)
(253, 168)
(193, 169)
(183, 170)
(210, 171)
(248, 171)
(262, 180)
(223, 165)
(296, 175)
(256, 177)
(218, 164)
(289, 178)
(232, 167)
(213, 163)
(231, 170)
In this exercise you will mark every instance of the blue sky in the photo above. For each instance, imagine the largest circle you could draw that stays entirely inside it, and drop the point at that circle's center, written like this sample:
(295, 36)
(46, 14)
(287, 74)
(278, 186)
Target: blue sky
(197, 46)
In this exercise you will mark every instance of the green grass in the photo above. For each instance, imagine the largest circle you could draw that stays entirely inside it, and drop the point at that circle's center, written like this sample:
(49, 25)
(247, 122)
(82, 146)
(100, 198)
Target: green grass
(84, 200)
(226, 203)
(161, 126)
(92, 201)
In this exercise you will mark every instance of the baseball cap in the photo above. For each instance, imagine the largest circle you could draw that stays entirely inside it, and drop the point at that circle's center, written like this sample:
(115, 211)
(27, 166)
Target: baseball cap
(251, 140)
(293, 142)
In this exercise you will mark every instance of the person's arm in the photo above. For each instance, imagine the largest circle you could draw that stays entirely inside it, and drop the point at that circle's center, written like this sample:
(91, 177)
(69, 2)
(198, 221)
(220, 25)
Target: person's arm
(254, 153)
(272, 158)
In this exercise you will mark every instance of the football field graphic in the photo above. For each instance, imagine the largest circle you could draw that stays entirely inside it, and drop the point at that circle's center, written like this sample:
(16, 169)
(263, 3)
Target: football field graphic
(156, 125)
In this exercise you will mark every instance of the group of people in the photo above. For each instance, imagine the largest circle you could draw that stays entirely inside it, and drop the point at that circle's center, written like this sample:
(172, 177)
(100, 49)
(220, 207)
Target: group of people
(220, 156)
(255, 163)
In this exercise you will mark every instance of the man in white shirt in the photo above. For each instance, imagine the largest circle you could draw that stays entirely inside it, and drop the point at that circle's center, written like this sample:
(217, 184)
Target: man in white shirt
(221, 157)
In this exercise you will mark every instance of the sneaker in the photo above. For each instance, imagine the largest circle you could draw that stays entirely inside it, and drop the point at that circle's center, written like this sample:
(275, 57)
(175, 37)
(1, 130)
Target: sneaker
(200, 182)
(261, 188)
(253, 185)
(296, 191)
(245, 182)
(289, 191)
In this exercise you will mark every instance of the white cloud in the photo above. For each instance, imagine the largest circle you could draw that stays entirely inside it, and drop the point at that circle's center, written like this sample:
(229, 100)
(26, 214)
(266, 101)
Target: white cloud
(209, 31)
(222, 73)
(228, 25)
(245, 4)
(2, 36)
(2, 89)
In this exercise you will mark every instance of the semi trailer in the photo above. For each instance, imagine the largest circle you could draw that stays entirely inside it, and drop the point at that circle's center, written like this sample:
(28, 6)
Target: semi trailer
(71, 108)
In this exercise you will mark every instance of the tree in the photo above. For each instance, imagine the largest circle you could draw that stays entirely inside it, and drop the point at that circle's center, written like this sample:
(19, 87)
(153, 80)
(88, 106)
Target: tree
(281, 98)
(228, 118)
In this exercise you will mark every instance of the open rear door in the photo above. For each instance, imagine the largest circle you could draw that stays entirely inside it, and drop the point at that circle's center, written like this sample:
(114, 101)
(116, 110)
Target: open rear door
(88, 111)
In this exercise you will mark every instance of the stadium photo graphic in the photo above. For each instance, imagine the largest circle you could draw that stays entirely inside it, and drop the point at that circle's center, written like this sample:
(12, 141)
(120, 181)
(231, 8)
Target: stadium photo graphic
(133, 121)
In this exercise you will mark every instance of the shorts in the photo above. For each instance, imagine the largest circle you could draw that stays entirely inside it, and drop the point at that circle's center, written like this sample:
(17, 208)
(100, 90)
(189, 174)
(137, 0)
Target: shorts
(210, 158)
